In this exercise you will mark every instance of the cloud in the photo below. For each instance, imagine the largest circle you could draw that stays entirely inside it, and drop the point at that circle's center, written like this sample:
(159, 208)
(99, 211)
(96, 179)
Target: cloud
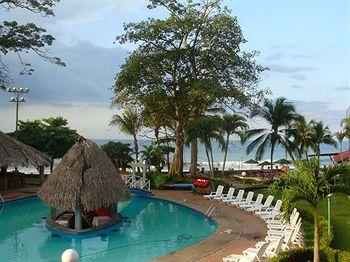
(88, 76)
(286, 69)
(342, 88)
(296, 87)
(320, 111)
(275, 56)
(298, 77)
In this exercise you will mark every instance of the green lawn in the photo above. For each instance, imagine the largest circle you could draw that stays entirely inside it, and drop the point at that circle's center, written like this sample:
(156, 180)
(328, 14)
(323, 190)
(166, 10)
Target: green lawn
(340, 219)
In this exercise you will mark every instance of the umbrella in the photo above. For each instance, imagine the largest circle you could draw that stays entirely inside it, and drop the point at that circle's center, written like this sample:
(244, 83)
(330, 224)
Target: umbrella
(265, 163)
(282, 161)
(251, 162)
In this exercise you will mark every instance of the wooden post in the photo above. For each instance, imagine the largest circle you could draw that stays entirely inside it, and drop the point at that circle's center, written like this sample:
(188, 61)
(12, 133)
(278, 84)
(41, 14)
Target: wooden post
(77, 218)
(41, 172)
(4, 171)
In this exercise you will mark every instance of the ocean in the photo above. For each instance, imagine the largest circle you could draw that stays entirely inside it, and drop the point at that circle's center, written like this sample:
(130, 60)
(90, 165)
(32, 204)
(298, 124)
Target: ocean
(235, 157)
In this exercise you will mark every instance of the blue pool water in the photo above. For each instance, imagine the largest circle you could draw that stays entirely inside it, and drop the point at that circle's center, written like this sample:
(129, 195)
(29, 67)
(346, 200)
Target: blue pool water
(155, 228)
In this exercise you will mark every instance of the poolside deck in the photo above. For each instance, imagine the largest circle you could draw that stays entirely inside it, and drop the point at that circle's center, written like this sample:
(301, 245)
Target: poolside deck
(246, 229)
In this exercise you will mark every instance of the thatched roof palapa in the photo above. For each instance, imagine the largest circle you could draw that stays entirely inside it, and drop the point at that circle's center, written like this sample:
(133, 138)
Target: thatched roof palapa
(15, 153)
(84, 175)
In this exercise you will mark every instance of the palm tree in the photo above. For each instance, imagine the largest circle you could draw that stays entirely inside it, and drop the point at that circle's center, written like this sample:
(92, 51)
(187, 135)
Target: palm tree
(129, 123)
(320, 134)
(232, 124)
(300, 131)
(340, 136)
(346, 128)
(278, 114)
(306, 184)
(206, 128)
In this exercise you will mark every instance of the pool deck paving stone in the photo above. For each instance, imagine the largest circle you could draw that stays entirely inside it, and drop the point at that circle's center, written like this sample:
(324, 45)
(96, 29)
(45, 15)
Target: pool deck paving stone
(247, 229)
(236, 229)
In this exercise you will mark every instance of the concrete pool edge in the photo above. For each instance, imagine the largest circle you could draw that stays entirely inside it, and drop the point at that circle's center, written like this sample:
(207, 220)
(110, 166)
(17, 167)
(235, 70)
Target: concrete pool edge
(230, 232)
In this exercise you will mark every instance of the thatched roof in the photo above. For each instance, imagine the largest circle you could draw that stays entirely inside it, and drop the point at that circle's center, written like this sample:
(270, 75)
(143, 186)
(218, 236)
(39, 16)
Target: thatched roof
(15, 153)
(87, 175)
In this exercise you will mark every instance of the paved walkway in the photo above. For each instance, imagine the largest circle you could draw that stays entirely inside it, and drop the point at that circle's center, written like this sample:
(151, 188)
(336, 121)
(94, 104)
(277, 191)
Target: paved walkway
(246, 229)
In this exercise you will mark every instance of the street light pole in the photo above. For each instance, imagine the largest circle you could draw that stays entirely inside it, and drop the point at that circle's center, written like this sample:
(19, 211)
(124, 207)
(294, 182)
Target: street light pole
(17, 98)
(329, 213)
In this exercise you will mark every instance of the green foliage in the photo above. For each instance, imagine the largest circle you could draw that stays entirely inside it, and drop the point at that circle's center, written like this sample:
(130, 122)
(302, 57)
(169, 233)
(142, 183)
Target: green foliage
(278, 114)
(119, 153)
(157, 179)
(51, 135)
(19, 38)
(154, 156)
(188, 61)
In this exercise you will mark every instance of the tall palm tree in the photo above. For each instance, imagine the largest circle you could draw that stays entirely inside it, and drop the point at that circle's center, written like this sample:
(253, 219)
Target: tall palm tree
(130, 124)
(300, 131)
(232, 124)
(305, 184)
(346, 128)
(340, 136)
(278, 114)
(320, 134)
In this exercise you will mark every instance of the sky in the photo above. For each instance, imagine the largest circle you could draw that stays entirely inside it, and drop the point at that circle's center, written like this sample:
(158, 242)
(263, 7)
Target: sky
(305, 45)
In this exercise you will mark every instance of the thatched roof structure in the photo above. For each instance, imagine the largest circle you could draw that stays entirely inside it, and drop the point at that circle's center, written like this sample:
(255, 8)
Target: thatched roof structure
(15, 153)
(84, 175)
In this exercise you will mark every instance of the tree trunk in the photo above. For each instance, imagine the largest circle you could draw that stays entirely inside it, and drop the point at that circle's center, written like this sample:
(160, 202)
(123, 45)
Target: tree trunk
(194, 156)
(176, 168)
(136, 149)
(212, 160)
(226, 149)
(207, 153)
(156, 134)
(316, 237)
(168, 149)
(271, 159)
(42, 174)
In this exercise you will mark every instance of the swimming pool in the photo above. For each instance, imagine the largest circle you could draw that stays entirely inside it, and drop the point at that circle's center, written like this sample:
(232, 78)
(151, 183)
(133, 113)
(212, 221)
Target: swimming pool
(154, 228)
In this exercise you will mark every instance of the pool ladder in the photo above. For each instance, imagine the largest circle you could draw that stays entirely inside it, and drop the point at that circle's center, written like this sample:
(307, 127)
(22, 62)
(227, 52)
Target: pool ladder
(2, 199)
(211, 209)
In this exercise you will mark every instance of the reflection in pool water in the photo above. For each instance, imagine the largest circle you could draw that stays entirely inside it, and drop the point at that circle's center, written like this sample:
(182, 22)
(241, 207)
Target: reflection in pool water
(153, 228)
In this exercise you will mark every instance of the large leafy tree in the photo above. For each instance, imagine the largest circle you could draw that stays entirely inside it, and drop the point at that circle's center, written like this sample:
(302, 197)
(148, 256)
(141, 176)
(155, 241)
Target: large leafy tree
(278, 114)
(119, 153)
(310, 184)
(18, 38)
(130, 123)
(232, 125)
(194, 53)
(50, 135)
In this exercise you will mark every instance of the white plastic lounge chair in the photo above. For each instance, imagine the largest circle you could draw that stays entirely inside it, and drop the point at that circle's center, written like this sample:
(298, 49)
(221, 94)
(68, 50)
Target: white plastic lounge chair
(237, 199)
(256, 257)
(257, 208)
(282, 222)
(254, 203)
(291, 236)
(271, 213)
(285, 225)
(217, 193)
(284, 231)
(272, 249)
(229, 195)
(247, 200)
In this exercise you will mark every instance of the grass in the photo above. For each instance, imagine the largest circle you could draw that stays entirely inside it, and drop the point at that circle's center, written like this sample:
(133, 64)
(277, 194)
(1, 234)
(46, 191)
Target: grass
(340, 219)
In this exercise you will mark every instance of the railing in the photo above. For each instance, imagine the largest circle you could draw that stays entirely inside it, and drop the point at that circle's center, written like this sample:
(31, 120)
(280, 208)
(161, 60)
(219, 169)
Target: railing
(211, 209)
(2, 204)
(133, 181)
(2, 199)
